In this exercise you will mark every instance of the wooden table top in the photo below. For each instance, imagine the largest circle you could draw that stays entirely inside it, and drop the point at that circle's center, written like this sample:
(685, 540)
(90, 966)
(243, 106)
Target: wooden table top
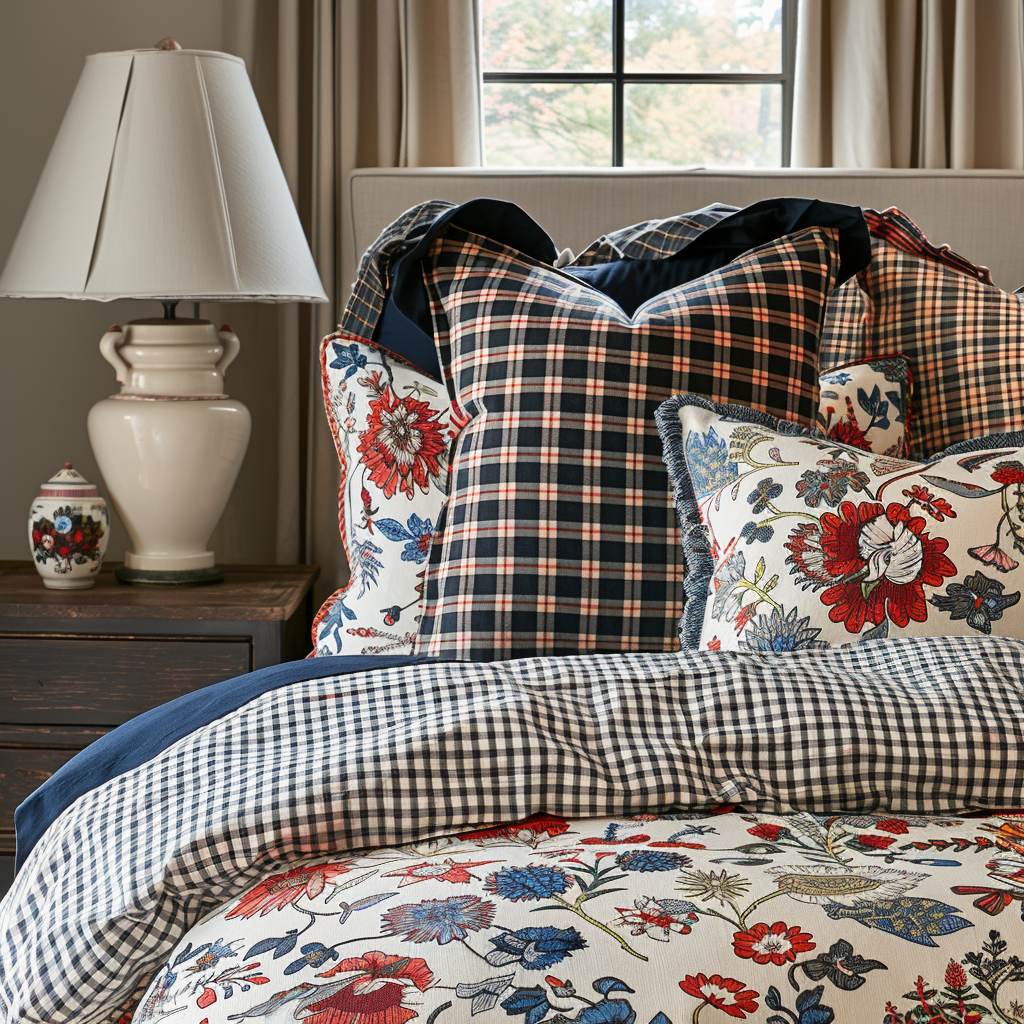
(248, 592)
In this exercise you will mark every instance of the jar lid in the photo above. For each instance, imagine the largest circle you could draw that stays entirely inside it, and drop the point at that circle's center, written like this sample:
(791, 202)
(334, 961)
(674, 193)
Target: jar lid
(68, 483)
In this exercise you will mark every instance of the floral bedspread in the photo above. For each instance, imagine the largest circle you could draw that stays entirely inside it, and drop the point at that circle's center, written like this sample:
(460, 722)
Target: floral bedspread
(785, 919)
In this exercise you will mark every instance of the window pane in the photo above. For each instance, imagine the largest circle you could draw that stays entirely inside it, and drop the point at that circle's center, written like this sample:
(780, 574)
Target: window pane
(724, 125)
(704, 35)
(530, 125)
(547, 35)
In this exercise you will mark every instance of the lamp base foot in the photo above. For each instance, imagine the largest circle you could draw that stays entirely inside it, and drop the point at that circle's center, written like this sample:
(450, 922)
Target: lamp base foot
(171, 577)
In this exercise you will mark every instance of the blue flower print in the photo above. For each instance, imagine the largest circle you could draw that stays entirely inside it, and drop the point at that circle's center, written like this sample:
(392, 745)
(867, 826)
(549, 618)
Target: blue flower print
(839, 378)
(442, 921)
(652, 860)
(708, 462)
(534, 882)
(314, 954)
(761, 497)
(978, 599)
(417, 536)
(776, 632)
(347, 358)
(535, 949)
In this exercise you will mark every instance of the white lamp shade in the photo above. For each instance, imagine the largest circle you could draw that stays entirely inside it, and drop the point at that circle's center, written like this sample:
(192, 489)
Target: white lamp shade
(163, 183)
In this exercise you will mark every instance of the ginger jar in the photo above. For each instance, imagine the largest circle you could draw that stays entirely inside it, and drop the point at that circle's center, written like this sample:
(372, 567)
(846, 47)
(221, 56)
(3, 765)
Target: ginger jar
(68, 531)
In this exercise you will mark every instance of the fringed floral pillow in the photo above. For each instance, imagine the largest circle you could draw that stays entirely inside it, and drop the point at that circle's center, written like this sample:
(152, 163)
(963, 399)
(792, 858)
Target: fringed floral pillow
(794, 541)
(390, 426)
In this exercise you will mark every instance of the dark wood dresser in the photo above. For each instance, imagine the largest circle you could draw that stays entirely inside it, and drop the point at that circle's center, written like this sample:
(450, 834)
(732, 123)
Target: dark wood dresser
(76, 663)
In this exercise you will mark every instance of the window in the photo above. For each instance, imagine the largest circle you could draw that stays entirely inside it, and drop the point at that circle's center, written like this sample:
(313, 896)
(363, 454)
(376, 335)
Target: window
(637, 83)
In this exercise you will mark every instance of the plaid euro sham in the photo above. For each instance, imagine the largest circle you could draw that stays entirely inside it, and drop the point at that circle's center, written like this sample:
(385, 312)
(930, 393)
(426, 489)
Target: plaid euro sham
(559, 534)
(960, 332)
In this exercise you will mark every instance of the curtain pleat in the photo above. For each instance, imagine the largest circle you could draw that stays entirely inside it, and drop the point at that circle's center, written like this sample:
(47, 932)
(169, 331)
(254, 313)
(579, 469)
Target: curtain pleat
(345, 84)
(909, 83)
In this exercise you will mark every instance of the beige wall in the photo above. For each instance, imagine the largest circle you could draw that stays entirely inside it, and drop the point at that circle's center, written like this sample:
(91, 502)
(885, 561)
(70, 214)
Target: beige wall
(51, 371)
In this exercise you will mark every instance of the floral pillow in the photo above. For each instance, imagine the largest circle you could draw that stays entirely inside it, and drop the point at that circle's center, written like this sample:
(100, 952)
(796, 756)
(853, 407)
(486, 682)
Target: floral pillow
(390, 426)
(795, 541)
(866, 405)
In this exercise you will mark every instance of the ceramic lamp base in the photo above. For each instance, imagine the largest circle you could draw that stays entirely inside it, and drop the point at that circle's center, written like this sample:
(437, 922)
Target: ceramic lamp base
(170, 577)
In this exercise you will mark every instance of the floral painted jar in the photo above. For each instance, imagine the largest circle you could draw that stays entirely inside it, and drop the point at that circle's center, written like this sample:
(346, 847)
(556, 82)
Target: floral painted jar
(68, 530)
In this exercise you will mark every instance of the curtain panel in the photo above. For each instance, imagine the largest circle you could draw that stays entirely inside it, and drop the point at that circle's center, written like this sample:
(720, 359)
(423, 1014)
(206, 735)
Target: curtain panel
(345, 84)
(909, 83)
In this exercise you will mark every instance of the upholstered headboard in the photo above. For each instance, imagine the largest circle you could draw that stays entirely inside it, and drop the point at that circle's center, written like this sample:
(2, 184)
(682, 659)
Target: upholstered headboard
(977, 213)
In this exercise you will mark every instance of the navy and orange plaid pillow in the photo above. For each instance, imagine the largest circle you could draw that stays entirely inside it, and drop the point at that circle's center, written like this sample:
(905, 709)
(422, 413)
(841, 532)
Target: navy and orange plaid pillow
(559, 535)
(961, 333)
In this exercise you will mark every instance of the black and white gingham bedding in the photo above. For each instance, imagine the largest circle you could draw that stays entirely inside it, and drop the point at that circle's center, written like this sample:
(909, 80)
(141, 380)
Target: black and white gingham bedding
(395, 755)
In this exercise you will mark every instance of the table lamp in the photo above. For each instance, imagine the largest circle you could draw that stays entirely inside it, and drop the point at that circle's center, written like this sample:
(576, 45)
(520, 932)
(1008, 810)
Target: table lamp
(163, 184)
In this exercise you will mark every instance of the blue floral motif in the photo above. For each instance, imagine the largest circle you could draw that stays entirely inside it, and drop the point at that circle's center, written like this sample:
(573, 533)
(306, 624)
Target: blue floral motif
(417, 535)
(840, 378)
(761, 497)
(443, 921)
(652, 860)
(978, 599)
(708, 462)
(347, 358)
(314, 954)
(535, 949)
(366, 565)
(831, 483)
(777, 633)
(534, 882)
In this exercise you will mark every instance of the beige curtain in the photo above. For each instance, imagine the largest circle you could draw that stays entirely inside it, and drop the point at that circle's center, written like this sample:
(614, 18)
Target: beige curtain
(909, 83)
(345, 84)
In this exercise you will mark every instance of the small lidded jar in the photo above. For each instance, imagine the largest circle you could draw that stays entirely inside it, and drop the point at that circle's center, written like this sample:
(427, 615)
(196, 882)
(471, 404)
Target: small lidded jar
(68, 530)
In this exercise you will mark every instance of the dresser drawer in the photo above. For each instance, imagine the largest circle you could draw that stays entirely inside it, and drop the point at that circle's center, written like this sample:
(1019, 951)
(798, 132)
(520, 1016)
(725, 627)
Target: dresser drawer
(80, 681)
(28, 757)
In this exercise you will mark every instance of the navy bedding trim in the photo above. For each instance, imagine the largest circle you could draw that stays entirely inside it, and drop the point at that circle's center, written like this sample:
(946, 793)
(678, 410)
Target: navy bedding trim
(144, 737)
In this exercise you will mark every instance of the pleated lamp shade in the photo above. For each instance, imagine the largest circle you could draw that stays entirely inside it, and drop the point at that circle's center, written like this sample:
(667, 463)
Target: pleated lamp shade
(163, 183)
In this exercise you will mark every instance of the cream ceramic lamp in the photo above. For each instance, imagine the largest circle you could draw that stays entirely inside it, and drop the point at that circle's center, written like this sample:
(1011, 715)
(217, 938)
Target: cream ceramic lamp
(163, 183)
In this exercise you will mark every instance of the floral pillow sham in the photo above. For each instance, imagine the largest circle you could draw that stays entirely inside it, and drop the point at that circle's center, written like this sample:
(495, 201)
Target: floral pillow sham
(391, 431)
(794, 541)
(866, 405)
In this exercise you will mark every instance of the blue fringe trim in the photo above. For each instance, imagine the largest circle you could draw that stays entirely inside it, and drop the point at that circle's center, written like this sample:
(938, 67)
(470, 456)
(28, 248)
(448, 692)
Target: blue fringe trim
(698, 565)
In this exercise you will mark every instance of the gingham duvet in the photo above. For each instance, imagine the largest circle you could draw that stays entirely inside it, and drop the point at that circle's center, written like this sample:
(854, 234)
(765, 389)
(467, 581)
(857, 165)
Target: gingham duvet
(654, 909)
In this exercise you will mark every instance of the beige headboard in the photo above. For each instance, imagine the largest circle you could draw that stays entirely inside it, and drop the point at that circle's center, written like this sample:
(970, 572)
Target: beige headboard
(978, 213)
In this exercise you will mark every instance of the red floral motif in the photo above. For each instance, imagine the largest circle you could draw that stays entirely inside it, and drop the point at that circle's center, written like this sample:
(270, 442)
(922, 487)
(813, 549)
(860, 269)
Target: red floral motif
(279, 891)
(726, 994)
(767, 831)
(956, 976)
(403, 446)
(776, 944)
(376, 995)
(847, 432)
(1007, 473)
(897, 826)
(883, 559)
(877, 842)
(528, 830)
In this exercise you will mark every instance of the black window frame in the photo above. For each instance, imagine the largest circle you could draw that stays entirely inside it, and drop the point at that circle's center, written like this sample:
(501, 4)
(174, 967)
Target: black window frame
(619, 78)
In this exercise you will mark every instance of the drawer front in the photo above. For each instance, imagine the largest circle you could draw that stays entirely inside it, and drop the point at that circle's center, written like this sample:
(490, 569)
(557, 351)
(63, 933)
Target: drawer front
(28, 757)
(104, 681)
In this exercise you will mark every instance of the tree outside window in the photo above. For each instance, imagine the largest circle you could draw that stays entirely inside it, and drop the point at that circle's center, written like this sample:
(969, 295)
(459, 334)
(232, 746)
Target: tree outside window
(637, 83)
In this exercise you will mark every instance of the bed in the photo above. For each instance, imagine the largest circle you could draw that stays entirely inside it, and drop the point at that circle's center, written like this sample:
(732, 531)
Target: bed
(746, 742)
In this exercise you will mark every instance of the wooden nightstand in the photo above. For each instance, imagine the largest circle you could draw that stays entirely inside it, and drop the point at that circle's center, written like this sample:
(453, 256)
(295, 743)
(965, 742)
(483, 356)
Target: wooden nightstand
(74, 664)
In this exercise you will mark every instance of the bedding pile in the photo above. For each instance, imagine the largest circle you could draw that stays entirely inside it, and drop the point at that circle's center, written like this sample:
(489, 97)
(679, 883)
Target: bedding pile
(330, 765)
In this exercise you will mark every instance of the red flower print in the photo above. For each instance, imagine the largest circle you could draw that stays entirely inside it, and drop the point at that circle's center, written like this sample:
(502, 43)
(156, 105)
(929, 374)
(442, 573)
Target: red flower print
(767, 832)
(528, 830)
(878, 842)
(847, 432)
(376, 995)
(881, 558)
(725, 994)
(938, 508)
(993, 554)
(897, 826)
(1009, 473)
(956, 976)
(279, 891)
(714, 644)
(771, 945)
(403, 446)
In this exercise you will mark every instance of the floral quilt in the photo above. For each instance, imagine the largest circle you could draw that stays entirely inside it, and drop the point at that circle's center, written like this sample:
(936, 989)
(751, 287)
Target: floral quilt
(782, 919)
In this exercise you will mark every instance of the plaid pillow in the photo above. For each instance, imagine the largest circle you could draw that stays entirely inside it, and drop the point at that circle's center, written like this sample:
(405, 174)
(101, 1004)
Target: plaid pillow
(559, 534)
(961, 334)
